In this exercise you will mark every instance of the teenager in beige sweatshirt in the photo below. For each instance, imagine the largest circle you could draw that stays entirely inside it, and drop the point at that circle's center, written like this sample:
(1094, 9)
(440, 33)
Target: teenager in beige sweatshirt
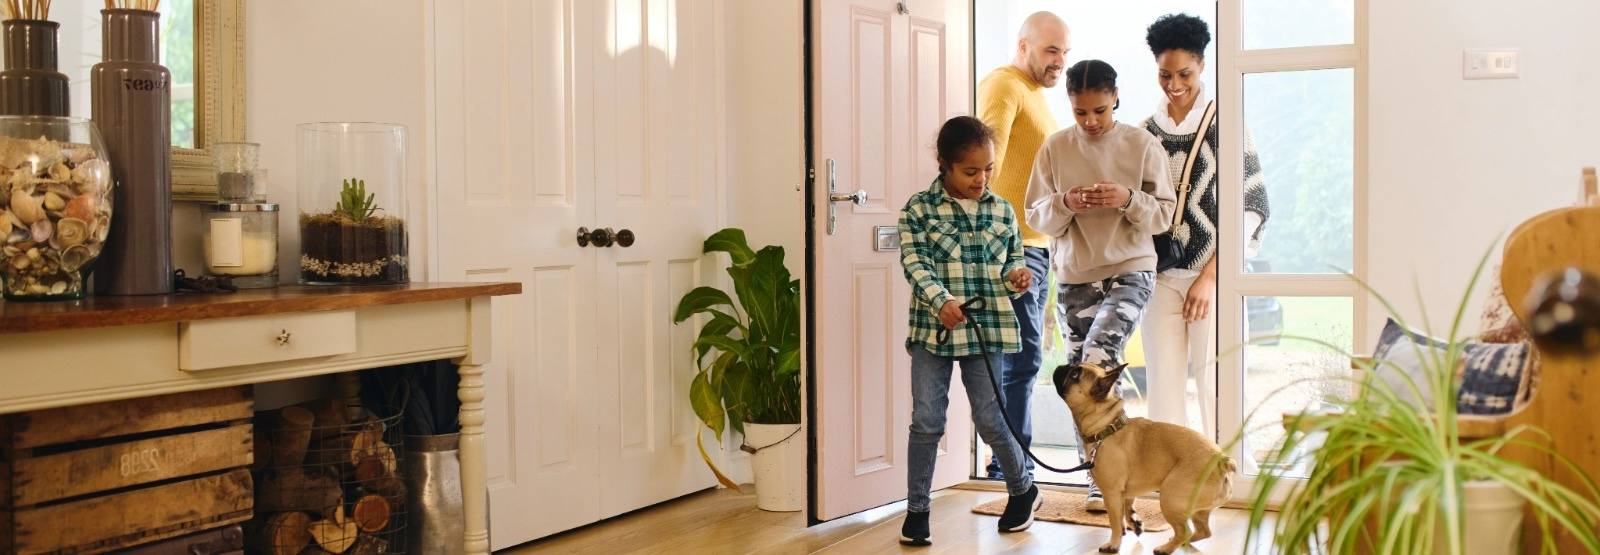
(1100, 190)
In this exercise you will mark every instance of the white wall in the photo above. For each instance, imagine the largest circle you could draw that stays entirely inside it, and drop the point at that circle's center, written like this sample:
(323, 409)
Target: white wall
(1455, 163)
(314, 60)
(766, 127)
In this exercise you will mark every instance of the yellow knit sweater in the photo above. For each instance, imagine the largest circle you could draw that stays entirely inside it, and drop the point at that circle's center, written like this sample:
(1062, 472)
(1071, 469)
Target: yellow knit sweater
(1013, 104)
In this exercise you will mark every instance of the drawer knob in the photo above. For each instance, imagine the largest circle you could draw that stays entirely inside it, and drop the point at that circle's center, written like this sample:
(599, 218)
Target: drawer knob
(283, 338)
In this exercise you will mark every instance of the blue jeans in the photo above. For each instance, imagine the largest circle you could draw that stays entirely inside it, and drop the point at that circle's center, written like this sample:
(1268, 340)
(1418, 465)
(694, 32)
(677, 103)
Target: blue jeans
(930, 396)
(1018, 370)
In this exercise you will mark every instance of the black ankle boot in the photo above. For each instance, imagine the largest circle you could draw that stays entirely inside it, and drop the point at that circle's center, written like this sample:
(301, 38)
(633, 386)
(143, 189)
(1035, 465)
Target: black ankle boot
(1019, 510)
(915, 531)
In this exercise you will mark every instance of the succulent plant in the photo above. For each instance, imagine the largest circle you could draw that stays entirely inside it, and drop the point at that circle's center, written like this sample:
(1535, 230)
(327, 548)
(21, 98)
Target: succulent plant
(354, 201)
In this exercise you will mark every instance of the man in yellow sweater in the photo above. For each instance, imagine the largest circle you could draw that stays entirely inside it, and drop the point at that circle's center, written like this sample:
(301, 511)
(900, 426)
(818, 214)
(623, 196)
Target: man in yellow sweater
(1011, 101)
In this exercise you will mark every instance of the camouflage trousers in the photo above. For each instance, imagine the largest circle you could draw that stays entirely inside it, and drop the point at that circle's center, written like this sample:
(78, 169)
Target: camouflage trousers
(1100, 316)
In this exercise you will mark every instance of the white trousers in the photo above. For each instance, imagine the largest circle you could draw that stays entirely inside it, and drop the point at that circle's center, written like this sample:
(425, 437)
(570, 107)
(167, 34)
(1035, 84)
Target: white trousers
(1176, 351)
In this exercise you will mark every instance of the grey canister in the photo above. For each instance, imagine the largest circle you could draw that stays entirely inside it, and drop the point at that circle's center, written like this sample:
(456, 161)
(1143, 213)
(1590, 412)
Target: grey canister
(435, 522)
(30, 84)
(132, 106)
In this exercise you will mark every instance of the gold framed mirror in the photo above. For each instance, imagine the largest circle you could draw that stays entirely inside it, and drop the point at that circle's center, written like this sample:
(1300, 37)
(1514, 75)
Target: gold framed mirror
(203, 47)
(219, 113)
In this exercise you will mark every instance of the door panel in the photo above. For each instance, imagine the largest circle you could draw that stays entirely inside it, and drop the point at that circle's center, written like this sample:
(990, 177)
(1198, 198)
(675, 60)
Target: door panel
(651, 80)
(881, 93)
(507, 206)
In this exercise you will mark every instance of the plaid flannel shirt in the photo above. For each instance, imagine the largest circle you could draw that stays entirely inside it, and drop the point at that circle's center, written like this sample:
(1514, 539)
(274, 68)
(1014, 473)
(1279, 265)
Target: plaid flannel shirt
(949, 255)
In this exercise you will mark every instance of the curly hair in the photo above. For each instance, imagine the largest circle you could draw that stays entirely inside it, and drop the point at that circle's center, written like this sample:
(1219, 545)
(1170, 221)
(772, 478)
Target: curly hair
(1178, 32)
(1091, 75)
(959, 135)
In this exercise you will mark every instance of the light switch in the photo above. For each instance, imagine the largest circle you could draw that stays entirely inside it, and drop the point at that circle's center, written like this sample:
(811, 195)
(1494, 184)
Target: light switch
(1489, 64)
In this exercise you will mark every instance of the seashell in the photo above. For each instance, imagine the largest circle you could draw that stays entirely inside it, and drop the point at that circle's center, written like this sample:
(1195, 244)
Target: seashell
(60, 172)
(80, 207)
(53, 202)
(34, 254)
(26, 208)
(79, 155)
(42, 230)
(92, 176)
(6, 223)
(58, 288)
(70, 232)
(75, 257)
(38, 289)
(19, 178)
(10, 251)
(20, 262)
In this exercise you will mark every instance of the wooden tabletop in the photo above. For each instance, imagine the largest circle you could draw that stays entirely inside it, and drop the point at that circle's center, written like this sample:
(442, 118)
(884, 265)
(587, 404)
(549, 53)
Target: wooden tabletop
(95, 312)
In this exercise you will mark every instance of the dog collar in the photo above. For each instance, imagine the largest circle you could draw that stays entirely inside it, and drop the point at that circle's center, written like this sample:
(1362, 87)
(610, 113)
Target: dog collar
(1108, 431)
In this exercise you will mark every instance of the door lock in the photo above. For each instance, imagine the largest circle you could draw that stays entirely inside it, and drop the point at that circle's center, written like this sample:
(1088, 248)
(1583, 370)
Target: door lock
(859, 198)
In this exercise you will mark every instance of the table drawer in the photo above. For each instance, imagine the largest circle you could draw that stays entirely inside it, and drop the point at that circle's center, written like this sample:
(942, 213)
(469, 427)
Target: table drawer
(228, 342)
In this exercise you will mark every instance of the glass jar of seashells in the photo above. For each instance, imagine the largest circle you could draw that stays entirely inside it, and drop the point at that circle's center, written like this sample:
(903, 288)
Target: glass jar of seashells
(55, 206)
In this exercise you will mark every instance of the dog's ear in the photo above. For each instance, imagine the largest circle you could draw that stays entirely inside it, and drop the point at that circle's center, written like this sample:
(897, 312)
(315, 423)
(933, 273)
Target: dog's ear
(1102, 385)
(1063, 377)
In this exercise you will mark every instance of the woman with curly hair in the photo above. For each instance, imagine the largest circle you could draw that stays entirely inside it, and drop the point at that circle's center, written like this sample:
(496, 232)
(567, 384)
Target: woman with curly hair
(1179, 322)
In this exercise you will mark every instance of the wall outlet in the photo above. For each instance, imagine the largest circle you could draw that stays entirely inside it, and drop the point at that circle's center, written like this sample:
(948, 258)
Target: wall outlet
(1489, 64)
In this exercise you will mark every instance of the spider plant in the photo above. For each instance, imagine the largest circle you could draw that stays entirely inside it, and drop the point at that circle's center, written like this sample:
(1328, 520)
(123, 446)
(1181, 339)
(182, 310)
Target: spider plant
(1388, 474)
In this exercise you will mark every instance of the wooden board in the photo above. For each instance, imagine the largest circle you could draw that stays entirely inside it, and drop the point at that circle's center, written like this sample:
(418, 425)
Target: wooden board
(99, 312)
(103, 523)
(1567, 388)
(96, 469)
(227, 540)
(117, 418)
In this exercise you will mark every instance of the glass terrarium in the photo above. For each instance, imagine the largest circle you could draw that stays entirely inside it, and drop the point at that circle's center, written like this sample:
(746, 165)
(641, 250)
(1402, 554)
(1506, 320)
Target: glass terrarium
(352, 203)
(55, 206)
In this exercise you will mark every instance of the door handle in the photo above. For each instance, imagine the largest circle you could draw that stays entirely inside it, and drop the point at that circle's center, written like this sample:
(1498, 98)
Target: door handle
(859, 198)
(605, 237)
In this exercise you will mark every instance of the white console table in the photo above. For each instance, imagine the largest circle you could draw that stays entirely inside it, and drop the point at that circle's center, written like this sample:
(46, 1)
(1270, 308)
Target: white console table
(57, 354)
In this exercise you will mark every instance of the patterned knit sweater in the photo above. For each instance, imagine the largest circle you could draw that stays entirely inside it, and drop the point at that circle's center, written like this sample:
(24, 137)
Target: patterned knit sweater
(1198, 230)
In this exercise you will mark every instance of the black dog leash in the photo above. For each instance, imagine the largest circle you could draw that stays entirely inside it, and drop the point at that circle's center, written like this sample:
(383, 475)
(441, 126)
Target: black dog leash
(943, 336)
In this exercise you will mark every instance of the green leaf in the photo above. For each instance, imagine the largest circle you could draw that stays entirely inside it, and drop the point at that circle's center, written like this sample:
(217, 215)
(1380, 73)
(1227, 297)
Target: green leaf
(720, 326)
(763, 296)
(707, 404)
(724, 343)
(731, 241)
(699, 300)
(788, 362)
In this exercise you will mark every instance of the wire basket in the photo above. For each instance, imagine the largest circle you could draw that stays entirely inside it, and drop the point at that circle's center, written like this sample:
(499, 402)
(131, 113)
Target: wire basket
(329, 480)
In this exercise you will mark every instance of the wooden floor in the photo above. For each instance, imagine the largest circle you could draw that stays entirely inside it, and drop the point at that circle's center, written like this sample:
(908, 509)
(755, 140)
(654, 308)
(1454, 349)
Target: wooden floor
(722, 521)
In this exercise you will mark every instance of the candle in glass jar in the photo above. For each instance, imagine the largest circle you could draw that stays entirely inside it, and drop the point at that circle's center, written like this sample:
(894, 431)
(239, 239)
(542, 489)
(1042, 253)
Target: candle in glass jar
(241, 242)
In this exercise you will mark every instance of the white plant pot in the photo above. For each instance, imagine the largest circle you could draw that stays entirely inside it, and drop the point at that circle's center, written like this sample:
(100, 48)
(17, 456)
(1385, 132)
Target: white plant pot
(780, 468)
(1493, 521)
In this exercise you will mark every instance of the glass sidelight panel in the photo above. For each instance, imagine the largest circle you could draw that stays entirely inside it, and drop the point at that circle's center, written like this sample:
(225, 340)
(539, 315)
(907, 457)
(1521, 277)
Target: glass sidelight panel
(1302, 127)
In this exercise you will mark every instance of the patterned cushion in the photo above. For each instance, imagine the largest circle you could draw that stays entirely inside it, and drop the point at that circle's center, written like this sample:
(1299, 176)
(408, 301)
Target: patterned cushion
(1493, 377)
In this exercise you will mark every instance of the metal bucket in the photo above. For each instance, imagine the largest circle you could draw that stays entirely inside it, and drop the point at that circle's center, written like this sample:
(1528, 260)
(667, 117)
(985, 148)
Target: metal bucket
(433, 477)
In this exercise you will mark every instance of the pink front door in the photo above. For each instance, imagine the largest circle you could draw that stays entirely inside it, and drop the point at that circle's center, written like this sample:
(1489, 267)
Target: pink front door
(886, 75)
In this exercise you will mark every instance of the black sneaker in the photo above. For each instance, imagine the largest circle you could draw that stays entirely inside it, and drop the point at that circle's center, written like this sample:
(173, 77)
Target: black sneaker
(915, 531)
(1019, 510)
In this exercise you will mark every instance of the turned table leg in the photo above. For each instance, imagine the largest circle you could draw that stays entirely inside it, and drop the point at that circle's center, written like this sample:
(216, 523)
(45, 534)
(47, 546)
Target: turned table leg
(473, 450)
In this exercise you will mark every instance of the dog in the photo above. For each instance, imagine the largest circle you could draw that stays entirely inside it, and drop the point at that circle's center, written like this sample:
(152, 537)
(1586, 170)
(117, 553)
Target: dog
(1137, 456)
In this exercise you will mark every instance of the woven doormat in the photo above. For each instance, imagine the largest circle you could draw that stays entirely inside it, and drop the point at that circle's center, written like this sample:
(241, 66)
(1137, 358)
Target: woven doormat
(1068, 507)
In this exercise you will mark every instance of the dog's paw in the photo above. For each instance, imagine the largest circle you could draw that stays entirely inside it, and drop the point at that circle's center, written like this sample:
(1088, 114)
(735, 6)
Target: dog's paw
(1160, 552)
(1138, 527)
(1109, 548)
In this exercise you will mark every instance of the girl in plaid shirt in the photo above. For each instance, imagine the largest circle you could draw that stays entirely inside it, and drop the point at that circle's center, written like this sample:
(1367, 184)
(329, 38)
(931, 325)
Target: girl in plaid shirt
(958, 241)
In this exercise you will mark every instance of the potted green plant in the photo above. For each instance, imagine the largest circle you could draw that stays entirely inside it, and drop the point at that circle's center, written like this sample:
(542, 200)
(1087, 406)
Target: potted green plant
(748, 360)
(353, 243)
(1389, 476)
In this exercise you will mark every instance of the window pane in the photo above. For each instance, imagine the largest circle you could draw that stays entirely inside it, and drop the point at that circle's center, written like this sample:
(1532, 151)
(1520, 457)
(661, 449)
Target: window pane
(1273, 363)
(1287, 23)
(1301, 125)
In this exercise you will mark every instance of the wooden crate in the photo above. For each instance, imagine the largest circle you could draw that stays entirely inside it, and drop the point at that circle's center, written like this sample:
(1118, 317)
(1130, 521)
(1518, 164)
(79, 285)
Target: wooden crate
(222, 541)
(107, 476)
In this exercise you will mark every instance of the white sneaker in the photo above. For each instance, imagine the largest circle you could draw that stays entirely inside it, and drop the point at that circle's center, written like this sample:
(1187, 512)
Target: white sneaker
(1096, 503)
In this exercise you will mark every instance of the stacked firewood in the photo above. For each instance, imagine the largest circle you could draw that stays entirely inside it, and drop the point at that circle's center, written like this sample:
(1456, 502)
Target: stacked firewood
(326, 483)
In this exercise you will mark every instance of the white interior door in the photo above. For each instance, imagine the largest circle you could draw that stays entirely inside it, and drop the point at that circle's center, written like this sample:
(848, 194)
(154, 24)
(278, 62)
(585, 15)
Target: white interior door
(508, 206)
(655, 143)
(550, 115)
(886, 76)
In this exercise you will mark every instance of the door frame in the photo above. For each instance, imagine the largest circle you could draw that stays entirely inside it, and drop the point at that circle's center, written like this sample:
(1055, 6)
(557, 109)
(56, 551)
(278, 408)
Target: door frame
(808, 283)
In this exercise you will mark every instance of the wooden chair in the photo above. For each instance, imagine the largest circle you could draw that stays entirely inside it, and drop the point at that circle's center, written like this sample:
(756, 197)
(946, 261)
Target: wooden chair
(1565, 390)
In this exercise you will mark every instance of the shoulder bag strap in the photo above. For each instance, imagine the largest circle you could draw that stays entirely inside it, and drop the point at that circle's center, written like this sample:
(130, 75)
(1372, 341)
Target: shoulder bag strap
(1188, 165)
